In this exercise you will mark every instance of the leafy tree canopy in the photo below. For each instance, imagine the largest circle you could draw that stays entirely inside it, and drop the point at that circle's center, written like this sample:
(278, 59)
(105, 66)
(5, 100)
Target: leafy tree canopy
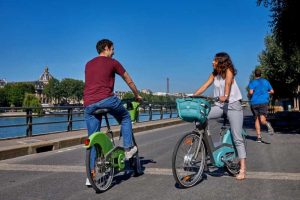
(285, 16)
(284, 74)
(15, 92)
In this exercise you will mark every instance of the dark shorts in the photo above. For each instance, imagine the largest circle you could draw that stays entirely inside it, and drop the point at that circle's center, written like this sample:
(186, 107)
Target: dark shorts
(259, 109)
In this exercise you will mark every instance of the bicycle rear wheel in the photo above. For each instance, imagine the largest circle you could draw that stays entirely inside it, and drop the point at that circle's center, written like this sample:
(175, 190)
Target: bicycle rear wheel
(102, 174)
(188, 160)
(232, 166)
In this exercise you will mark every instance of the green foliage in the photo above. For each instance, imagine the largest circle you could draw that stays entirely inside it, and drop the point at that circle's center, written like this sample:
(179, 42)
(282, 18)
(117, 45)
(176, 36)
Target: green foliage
(31, 100)
(3, 98)
(282, 72)
(72, 89)
(151, 98)
(52, 89)
(284, 23)
(69, 89)
(128, 95)
(15, 92)
(281, 59)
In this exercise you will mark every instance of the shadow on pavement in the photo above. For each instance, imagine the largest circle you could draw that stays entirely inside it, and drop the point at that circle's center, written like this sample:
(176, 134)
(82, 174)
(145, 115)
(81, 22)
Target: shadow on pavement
(128, 173)
(286, 122)
(282, 122)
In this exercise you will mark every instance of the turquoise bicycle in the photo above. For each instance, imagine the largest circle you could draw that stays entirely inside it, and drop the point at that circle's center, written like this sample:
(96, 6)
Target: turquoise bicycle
(195, 149)
(110, 158)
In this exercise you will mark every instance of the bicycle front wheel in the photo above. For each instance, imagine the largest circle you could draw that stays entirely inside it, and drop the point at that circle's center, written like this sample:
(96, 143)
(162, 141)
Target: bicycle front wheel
(188, 160)
(101, 175)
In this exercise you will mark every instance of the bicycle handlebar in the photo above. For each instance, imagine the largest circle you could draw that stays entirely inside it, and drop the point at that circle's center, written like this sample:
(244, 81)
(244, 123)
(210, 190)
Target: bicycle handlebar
(215, 99)
(132, 100)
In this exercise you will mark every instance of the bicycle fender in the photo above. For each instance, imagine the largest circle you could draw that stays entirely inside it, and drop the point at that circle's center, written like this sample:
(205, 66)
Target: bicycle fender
(220, 153)
(102, 140)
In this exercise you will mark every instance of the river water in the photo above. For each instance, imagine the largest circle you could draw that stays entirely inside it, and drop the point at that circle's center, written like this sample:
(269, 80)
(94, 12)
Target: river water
(19, 131)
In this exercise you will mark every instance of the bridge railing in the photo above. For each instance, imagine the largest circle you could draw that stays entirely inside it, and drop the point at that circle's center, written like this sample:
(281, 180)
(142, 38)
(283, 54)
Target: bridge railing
(147, 112)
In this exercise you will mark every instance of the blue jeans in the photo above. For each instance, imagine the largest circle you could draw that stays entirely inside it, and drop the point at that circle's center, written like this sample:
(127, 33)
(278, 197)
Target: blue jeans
(118, 111)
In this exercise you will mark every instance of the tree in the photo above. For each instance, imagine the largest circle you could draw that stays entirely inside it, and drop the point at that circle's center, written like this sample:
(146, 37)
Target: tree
(16, 92)
(3, 98)
(52, 89)
(31, 100)
(281, 72)
(284, 23)
(71, 89)
(128, 95)
(78, 93)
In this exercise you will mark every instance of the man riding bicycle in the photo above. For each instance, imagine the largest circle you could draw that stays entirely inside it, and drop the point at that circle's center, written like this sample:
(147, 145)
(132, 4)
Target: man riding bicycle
(98, 93)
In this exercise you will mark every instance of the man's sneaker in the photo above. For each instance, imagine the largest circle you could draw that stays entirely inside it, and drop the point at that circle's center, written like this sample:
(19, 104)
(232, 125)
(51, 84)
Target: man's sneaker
(270, 128)
(87, 183)
(258, 140)
(130, 153)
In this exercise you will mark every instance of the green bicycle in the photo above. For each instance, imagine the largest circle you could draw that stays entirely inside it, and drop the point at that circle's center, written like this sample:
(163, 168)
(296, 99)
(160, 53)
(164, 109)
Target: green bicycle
(110, 158)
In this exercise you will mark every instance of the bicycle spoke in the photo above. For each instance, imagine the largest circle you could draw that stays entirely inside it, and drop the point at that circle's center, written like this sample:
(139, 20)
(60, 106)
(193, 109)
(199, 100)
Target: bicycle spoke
(188, 163)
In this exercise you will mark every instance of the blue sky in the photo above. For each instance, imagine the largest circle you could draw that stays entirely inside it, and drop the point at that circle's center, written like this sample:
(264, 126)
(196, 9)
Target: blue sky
(153, 39)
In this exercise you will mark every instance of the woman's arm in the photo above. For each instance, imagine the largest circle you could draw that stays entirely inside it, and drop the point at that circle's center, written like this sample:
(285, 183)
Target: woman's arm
(205, 85)
(228, 83)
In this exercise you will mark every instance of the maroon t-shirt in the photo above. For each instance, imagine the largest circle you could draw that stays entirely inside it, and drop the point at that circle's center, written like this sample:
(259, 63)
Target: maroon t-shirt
(100, 78)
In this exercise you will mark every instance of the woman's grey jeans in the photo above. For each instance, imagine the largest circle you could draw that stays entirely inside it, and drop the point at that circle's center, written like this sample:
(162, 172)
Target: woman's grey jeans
(234, 113)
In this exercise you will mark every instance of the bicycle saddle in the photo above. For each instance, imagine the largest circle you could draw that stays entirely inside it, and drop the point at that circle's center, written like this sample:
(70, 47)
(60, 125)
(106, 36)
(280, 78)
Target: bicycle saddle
(101, 111)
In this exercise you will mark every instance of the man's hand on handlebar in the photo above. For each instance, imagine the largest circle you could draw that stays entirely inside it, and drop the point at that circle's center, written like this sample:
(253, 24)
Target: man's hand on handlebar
(138, 98)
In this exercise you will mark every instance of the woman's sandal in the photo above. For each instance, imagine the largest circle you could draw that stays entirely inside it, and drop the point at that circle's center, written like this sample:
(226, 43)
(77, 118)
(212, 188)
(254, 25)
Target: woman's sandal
(241, 175)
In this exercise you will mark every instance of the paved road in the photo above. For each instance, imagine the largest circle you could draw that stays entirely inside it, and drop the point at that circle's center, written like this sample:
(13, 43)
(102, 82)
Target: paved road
(273, 172)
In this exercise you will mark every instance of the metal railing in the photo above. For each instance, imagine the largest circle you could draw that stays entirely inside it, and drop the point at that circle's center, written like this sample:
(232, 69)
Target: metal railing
(147, 112)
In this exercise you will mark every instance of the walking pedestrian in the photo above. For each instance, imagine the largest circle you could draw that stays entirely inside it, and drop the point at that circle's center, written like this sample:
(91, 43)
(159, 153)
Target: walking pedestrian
(259, 91)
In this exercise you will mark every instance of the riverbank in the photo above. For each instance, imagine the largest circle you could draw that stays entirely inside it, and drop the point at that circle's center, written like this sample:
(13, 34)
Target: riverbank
(13, 114)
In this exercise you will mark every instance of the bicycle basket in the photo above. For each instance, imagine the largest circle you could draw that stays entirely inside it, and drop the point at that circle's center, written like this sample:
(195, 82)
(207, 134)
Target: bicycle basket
(193, 109)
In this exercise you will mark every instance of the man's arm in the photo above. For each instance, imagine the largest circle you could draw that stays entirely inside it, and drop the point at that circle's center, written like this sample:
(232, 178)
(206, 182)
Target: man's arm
(271, 91)
(250, 91)
(131, 85)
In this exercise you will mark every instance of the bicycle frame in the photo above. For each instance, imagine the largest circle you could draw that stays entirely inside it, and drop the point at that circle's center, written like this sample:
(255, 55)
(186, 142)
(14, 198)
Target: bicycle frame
(221, 153)
(116, 153)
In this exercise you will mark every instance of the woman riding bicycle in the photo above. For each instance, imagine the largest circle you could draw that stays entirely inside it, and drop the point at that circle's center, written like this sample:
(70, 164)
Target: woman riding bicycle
(226, 88)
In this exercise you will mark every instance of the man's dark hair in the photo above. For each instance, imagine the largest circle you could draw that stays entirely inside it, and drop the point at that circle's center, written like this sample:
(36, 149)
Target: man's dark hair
(102, 44)
(257, 73)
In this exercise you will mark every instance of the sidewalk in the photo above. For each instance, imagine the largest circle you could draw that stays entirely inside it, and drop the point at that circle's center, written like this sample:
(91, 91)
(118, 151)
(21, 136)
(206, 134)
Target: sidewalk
(12, 148)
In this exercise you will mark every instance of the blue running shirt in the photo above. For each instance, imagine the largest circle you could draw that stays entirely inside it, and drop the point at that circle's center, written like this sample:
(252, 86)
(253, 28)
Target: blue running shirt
(261, 88)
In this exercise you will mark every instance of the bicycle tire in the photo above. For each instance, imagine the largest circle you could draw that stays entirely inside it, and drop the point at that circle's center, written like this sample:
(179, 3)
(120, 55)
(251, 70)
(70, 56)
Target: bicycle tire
(233, 168)
(103, 170)
(191, 171)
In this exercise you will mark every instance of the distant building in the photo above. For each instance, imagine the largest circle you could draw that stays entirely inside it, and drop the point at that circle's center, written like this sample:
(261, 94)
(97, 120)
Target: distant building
(146, 91)
(179, 94)
(160, 93)
(120, 94)
(3, 82)
(40, 84)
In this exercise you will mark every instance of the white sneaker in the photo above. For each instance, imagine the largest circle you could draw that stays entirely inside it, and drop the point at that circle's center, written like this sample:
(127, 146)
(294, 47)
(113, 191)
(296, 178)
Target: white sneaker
(130, 153)
(87, 182)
